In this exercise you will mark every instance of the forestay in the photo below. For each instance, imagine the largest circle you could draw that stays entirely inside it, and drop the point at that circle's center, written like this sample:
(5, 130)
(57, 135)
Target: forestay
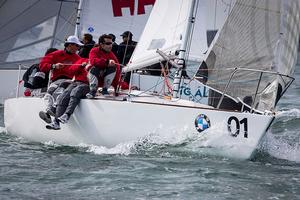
(260, 35)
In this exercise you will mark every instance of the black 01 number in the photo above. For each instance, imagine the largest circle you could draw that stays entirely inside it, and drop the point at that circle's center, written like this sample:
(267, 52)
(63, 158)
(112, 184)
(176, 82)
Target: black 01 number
(233, 121)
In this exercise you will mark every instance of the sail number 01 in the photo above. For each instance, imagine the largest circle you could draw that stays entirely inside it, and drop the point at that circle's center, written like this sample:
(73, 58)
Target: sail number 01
(234, 124)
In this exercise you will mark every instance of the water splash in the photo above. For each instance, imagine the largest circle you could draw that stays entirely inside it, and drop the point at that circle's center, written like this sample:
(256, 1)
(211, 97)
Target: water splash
(3, 129)
(122, 149)
(291, 113)
(283, 139)
(280, 147)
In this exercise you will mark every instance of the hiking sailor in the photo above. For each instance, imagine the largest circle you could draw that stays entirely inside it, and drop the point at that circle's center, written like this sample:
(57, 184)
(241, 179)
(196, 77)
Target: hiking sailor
(104, 67)
(59, 62)
(70, 98)
(35, 81)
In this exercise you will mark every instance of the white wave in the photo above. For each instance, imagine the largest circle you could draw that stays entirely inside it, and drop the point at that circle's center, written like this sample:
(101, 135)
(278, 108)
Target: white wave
(158, 137)
(162, 136)
(3, 129)
(289, 113)
(122, 149)
(214, 141)
(281, 148)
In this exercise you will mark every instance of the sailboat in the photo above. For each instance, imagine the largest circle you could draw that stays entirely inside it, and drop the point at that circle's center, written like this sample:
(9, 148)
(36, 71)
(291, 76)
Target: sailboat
(28, 28)
(246, 70)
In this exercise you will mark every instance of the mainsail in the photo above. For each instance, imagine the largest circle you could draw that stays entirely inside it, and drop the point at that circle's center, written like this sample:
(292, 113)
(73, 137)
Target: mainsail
(261, 35)
(28, 28)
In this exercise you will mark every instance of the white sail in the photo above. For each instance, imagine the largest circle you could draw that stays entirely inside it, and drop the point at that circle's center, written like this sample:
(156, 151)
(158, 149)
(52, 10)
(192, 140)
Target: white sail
(115, 16)
(260, 35)
(164, 30)
(165, 27)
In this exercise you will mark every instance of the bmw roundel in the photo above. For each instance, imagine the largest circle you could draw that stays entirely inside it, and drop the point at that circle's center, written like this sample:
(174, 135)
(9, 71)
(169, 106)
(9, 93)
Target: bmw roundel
(91, 29)
(202, 122)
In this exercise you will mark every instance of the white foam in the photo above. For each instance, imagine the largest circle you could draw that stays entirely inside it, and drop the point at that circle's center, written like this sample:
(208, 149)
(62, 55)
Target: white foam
(281, 148)
(122, 149)
(289, 113)
(3, 129)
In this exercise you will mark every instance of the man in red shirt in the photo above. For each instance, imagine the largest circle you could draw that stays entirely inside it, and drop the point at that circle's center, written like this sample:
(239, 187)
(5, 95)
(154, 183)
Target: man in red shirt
(58, 62)
(104, 67)
(71, 96)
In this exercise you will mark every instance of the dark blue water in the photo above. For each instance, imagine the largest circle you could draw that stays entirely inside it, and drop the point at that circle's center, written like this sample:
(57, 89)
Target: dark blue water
(156, 169)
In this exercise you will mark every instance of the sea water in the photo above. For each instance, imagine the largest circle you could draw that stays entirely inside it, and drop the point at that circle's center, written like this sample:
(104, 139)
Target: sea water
(158, 167)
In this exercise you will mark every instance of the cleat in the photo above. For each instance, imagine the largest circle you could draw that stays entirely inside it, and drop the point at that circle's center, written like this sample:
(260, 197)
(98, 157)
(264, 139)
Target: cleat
(45, 116)
(54, 125)
(64, 118)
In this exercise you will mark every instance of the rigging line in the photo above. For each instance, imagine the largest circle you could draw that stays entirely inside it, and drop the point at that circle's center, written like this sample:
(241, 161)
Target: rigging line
(26, 45)
(3, 3)
(126, 47)
(20, 32)
(10, 21)
(62, 27)
(225, 3)
(31, 26)
(56, 24)
(215, 17)
(158, 82)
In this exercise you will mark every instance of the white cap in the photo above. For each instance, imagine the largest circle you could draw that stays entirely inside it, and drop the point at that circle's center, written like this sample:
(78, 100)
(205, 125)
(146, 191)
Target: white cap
(73, 39)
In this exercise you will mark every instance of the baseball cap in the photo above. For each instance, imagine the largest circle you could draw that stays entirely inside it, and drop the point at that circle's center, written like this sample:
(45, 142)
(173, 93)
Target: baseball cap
(73, 39)
(126, 34)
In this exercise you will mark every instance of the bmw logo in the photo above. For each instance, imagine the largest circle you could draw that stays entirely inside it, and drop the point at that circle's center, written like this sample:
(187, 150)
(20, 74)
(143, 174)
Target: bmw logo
(91, 29)
(202, 122)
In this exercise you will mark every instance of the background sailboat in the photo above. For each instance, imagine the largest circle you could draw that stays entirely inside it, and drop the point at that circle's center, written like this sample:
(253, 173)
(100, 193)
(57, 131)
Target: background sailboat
(27, 29)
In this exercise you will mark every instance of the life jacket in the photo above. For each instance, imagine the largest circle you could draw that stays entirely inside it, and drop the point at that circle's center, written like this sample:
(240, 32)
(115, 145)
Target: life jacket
(33, 78)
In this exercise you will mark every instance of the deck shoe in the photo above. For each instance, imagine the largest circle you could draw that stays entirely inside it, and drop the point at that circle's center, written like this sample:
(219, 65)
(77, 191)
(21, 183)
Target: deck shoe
(64, 118)
(54, 125)
(91, 94)
(45, 116)
(104, 92)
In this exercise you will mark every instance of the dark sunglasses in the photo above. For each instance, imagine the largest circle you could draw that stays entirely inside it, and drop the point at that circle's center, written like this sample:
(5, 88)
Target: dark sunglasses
(107, 43)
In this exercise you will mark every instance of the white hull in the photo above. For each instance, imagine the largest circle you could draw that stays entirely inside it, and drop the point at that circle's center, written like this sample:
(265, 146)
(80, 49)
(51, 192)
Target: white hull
(109, 122)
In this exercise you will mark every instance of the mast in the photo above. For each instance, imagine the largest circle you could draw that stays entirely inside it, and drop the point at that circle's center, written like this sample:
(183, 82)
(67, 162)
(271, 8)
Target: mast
(77, 26)
(182, 51)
